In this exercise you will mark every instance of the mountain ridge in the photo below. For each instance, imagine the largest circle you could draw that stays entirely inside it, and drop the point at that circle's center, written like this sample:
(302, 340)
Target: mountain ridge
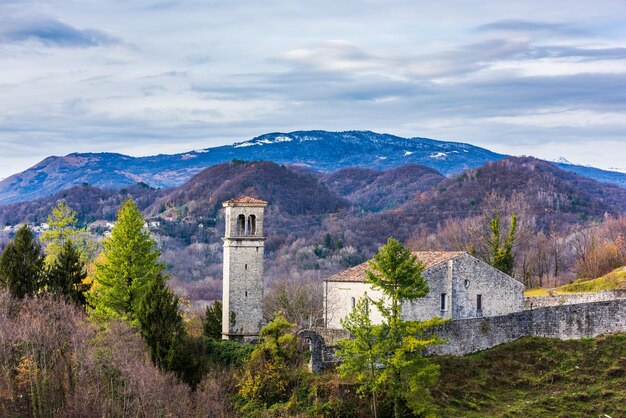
(319, 150)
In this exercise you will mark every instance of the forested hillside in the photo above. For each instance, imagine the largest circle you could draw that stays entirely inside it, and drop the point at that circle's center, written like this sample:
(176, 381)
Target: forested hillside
(320, 223)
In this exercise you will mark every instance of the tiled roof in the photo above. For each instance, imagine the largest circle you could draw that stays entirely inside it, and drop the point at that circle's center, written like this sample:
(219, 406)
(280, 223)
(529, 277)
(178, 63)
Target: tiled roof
(429, 258)
(247, 199)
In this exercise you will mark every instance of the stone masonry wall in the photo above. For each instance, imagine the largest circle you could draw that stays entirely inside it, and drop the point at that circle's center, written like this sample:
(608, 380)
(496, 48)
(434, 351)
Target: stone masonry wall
(582, 320)
(569, 299)
(565, 322)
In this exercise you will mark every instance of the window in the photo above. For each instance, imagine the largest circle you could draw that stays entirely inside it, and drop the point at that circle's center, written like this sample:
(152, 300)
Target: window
(353, 302)
(241, 225)
(246, 266)
(444, 305)
(251, 225)
(479, 302)
(466, 283)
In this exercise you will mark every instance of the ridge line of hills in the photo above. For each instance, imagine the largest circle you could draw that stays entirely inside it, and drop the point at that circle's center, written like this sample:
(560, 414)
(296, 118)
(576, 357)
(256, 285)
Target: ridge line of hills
(320, 151)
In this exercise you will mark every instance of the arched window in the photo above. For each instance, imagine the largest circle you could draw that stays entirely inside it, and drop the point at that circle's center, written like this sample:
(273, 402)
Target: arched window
(241, 225)
(252, 225)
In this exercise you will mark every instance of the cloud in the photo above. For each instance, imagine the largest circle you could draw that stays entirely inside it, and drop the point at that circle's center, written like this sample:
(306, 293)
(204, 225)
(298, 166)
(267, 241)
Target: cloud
(525, 26)
(208, 73)
(53, 33)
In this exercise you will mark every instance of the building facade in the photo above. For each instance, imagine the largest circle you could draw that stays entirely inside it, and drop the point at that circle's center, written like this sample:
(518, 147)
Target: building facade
(242, 294)
(461, 286)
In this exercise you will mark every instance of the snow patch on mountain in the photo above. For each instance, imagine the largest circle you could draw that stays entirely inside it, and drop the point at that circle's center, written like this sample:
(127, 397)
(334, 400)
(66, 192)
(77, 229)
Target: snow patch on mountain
(438, 155)
(563, 160)
(407, 153)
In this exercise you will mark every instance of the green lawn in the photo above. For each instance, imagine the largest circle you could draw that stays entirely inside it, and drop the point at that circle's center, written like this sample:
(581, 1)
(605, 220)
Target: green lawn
(537, 377)
(614, 280)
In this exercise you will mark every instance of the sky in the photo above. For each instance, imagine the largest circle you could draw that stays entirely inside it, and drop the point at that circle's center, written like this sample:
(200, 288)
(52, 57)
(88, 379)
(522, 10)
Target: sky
(541, 78)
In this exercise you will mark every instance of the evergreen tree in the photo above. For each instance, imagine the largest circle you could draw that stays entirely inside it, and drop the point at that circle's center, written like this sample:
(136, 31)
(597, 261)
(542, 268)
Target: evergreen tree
(64, 227)
(67, 274)
(21, 265)
(127, 266)
(360, 354)
(501, 256)
(160, 321)
(212, 324)
(396, 345)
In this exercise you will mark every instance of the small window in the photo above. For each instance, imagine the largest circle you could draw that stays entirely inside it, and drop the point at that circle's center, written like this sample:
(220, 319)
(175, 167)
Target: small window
(444, 305)
(246, 293)
(241, 225)
(246, 266)
(479, 302)
(367, 306)
(466, 283)
(251, 230)
(353, 302)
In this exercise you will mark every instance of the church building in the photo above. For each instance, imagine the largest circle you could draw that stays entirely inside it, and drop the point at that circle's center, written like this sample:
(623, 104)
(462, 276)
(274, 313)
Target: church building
(461, 286)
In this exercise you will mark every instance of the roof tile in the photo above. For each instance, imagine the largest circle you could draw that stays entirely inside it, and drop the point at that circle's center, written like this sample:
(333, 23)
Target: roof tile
(246, 199)
(429, 258)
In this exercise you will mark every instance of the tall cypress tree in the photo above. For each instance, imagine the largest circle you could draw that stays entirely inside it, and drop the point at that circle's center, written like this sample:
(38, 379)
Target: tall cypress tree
(160, 321)
(67, 274)
(21, 265)
(127, 266)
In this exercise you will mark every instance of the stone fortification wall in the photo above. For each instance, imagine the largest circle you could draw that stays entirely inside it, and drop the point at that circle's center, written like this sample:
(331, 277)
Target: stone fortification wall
(565, 322)
(570, 321)
(573, 298)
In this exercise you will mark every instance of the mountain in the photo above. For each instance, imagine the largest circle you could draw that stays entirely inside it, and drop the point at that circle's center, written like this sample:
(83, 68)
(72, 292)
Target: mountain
(287, 191)
(318, 150)
(378, 190)
(550, 193)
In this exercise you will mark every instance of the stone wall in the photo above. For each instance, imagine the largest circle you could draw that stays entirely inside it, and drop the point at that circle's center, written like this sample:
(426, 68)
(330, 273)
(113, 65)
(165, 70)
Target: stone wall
(573, 298)
(570, 321)
(565, 322)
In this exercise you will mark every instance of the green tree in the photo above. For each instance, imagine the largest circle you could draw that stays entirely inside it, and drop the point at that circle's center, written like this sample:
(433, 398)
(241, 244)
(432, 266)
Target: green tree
(361, 356)
(127, 266)
(64, 227)
(274, 367)
(397, 344)
(501, 256)
(21, 265)
(160, 321)
(212, 323)
(67, 274)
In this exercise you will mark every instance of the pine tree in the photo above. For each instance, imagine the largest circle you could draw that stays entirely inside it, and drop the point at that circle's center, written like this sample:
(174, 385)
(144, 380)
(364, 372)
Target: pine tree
(127, 266)
(212, 324)
(405, 375)
(21, 265)
(67, 274)
(64, 227)
(501, 256)
(160, 321)
(360, 354)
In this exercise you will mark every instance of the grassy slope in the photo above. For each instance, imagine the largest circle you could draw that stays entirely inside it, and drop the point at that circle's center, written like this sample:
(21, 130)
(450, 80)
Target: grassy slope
(614, 280)
(537, 377)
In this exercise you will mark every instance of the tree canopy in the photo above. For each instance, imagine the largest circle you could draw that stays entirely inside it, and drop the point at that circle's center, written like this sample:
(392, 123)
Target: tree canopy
(387, 357)
(67, 275)
(126, 267)
(21, 265)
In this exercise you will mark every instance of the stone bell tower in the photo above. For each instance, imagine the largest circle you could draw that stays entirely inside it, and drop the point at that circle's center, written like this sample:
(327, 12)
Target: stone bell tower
(242, 294)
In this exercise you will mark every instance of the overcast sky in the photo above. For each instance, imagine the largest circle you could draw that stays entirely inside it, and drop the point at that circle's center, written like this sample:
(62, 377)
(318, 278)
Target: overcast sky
(542, 78)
